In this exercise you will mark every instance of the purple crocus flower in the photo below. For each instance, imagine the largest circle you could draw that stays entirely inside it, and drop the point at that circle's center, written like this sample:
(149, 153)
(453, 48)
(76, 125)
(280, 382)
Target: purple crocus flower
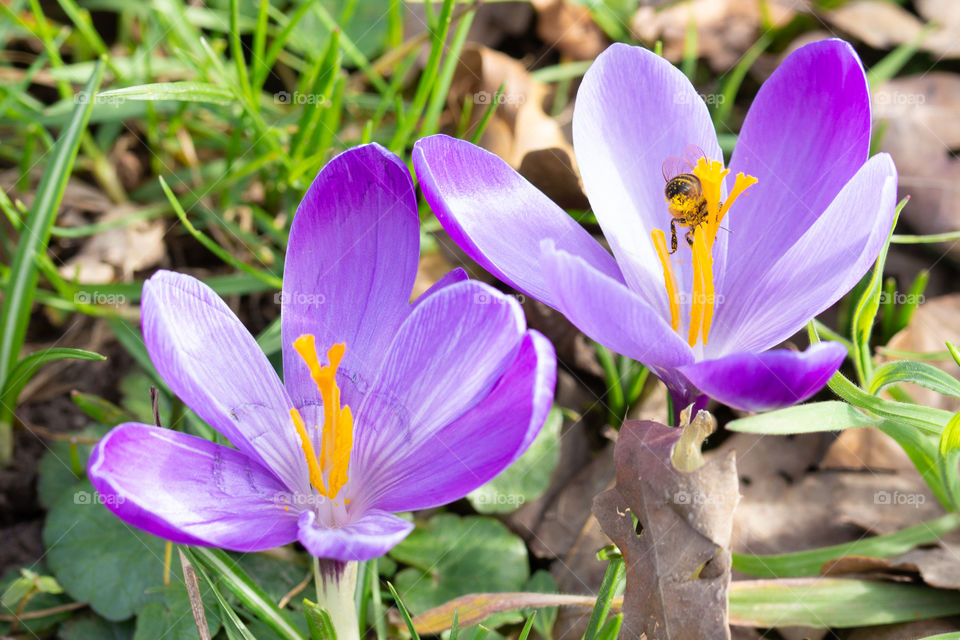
(415, 404)
(800, 219)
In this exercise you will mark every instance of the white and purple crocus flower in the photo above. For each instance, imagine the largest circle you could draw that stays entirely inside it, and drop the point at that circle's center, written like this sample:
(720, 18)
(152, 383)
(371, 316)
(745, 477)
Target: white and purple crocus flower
(386, 405)
(802, 216)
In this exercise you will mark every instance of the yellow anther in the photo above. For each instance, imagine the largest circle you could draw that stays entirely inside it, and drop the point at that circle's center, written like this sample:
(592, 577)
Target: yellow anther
(669, 280)
(336, 439)
(741, 184)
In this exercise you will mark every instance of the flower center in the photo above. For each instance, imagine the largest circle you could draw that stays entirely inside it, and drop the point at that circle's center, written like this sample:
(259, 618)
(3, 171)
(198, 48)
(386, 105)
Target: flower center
(703, 212)
(328, 470)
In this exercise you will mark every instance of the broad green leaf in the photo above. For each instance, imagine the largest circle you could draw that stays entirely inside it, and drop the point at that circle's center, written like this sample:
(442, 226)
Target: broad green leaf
(170, 618)
(808, 563)
(55, 475)
(921, 373)
(176, 91)
(830, 415)
(451, 556)
(89, 626)
(834, 602)
(101, 560)
(528, 477)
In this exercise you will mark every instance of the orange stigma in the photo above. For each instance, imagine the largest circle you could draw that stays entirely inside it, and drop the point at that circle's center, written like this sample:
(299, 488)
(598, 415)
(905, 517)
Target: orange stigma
(710, 173)
(328, 470)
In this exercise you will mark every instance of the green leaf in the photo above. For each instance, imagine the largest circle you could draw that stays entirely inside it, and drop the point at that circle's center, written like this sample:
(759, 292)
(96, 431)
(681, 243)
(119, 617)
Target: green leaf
(28, 367)
(949, 460)
(170, 619)
(612, 581)
(14, 581)
(318, 621)
(926, 419)
(808, 563)
(830, 415)
(542, 582)
(921, 448)
(450, 556)
(55, 474)
(176, 91)
(90, 626)
(21, 286)
(99, 559)
(833, 602)
(921, 373)
(865, 312)
(235, 579)
(528, 477)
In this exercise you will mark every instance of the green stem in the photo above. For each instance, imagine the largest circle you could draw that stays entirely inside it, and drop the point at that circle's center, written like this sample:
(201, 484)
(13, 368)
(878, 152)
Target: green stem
(336, 583)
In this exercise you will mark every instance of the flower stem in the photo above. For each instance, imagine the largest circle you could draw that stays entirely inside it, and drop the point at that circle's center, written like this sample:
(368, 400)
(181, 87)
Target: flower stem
(336, 583)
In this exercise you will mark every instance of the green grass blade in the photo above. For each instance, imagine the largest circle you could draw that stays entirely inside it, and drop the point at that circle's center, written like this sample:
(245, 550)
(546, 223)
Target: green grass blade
(830, 415)
(174, 91)
(612, 579)
(236, 580)
(921, 373)
(21, 287)
(808, 563)
(404, 613)
(21, 374)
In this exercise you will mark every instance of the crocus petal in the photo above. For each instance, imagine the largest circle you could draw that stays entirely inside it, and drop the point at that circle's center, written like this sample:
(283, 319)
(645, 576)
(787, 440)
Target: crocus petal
(451, 277)
(496, 216)
(190, 490)
(215, 366)
(825, 263)
(613, 315)
(350, 266)
(447, 355)
(768, 380)
(634, 110)
(465, 454)
(369, 537)
(805, 135)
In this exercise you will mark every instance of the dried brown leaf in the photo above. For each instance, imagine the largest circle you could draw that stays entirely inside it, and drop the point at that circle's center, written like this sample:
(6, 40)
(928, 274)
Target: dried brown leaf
(678, 569)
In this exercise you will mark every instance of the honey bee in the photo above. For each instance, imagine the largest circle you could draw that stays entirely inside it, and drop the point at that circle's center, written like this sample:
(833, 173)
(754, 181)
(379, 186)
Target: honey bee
(684, 193)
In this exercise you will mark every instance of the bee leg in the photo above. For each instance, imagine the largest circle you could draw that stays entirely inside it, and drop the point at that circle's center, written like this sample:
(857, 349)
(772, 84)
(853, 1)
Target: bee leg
(690, 236)
(673, 236)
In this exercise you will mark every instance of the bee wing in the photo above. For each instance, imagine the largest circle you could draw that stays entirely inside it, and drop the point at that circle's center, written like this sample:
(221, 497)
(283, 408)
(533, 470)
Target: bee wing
(674, 166)
(692, 154)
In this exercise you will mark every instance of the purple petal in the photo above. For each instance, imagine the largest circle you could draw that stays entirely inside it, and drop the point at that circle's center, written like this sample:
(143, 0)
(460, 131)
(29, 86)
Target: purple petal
(457, 458)
(613, 315)
(496, 216)
(350, 266)
(369, 537)
(446, 357)
(768, 380)
(806, 134)
(633, 111)
(825, 263)
(215, 366)
(451, 277)
(190, 490)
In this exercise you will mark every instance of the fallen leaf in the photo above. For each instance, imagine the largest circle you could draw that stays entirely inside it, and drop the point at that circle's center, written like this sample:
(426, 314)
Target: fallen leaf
(569, 27)
(725, 28)
(678, 568)
(115, 254)
(865, 448)
(885, 25)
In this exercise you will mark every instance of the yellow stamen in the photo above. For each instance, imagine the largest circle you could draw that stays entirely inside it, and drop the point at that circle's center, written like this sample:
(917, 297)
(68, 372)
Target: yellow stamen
(336, 440)
(711, 174)
(316, 475)
(669, 280)
(697, 301)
